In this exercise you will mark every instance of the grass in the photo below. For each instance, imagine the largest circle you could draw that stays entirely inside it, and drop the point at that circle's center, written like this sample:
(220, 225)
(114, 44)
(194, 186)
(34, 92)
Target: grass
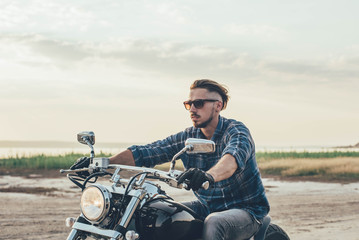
(43, 161)
(327, 169)
(262, 156)
(322, 166)
(166, 166)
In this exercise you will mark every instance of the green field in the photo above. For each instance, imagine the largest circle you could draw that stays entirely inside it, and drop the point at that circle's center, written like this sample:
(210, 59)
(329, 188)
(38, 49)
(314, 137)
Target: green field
(42, 161)
(321, 166)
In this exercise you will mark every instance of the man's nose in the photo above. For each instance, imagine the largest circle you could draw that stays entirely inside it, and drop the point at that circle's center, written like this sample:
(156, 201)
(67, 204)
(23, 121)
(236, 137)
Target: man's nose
(192, 108)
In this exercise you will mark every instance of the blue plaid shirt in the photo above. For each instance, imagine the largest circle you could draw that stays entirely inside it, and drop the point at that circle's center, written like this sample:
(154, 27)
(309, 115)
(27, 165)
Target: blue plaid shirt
(244, 189)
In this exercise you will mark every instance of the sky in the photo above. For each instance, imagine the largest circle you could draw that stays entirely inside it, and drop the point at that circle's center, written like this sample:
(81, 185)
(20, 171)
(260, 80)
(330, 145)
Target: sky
(123, 68)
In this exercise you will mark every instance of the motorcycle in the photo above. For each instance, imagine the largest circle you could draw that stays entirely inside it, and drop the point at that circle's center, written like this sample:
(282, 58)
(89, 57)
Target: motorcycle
(134, 206)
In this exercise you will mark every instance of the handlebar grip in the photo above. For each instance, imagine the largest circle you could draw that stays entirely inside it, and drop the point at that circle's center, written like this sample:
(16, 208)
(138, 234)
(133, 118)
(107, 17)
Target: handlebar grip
(185, 186)
(205, 185)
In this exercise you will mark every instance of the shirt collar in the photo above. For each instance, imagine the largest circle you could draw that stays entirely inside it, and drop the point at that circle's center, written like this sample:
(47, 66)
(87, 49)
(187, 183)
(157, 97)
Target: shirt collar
(218, 132)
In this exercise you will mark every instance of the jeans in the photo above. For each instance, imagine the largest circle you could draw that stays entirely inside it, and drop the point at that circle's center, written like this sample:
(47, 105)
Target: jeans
(232, 224)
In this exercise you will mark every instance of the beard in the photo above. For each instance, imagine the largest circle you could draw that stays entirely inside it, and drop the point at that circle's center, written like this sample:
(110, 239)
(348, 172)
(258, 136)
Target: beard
(205, 123)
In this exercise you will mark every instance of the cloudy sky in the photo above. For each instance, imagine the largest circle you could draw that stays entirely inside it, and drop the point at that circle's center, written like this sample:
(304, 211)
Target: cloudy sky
(123, 68)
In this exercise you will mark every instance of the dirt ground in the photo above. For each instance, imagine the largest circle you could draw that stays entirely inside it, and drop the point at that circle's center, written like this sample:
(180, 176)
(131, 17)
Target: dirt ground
(35, 207)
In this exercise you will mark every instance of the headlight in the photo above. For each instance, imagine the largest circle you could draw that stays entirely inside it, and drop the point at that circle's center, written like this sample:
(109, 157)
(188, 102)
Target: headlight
(95, 203)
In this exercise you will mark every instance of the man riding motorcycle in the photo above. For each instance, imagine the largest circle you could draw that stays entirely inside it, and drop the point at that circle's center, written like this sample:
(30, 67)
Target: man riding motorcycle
(235, 203)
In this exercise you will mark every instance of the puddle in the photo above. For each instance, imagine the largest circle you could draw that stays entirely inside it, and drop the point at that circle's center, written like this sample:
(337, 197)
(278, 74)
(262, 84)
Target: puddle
(307, 187)
(65, 186)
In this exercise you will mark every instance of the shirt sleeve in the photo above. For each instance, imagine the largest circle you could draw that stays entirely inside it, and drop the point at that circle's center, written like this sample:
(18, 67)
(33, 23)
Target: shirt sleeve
(158, 152)
(240, 145)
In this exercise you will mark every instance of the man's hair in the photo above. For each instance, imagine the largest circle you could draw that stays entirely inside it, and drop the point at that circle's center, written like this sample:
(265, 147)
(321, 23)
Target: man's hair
(212, 86)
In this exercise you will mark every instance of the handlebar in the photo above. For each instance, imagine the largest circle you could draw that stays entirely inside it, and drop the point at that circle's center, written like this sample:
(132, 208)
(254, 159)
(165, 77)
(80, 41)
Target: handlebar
(166, 177)
(74, 171)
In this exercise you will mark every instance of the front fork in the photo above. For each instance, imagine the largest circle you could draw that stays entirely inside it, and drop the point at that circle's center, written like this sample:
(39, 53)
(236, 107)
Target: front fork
(73, 235)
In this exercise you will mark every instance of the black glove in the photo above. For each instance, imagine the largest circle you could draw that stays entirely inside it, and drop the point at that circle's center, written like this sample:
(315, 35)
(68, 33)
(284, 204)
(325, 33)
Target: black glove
(82, 162)
(195, 177)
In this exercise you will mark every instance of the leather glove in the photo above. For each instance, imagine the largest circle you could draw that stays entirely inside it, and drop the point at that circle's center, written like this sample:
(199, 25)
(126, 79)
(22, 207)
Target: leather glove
(82, 162)
(195, 177)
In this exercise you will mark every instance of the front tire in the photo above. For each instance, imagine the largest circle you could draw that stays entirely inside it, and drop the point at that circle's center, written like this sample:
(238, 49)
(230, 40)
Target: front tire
(274, 232)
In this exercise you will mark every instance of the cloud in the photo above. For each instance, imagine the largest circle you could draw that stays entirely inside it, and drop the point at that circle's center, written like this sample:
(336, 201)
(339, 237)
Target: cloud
(170, 12)
(259, 32)
(41, 46)
(345, 70)
(142, 55)
(175, 59)
(59, 16)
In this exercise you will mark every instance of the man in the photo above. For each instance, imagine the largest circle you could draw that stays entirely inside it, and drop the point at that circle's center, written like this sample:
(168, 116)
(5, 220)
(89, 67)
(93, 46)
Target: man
(235, 203)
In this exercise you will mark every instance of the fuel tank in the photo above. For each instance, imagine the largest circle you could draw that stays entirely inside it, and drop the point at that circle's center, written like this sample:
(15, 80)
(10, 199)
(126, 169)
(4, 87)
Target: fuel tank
(163, 219)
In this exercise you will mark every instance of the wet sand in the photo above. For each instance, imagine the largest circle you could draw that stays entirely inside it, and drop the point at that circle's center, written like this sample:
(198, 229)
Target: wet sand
(305, 210)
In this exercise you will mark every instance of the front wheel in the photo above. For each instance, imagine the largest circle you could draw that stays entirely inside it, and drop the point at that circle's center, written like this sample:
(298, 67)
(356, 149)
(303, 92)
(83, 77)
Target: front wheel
(274, 232)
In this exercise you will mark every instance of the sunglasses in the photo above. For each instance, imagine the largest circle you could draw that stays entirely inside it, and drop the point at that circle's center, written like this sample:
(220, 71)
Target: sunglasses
(198, 103)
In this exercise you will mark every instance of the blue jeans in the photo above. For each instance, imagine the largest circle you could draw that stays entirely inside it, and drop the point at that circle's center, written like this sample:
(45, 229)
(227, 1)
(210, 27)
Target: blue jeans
(232, 224)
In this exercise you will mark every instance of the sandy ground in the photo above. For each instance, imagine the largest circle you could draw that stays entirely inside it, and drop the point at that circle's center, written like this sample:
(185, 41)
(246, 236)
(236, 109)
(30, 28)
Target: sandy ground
(305, 210)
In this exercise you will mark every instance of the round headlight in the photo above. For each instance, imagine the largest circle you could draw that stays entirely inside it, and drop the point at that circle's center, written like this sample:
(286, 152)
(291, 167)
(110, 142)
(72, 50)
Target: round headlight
(95, 203)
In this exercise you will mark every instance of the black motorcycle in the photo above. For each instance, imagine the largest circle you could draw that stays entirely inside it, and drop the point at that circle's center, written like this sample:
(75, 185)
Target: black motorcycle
(134, 206)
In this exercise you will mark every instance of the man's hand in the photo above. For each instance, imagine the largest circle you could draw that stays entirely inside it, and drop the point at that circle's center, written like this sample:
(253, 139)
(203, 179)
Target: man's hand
(196, 177)
(82, 162)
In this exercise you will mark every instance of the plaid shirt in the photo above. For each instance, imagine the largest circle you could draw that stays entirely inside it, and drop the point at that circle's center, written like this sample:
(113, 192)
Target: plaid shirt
(244, 189)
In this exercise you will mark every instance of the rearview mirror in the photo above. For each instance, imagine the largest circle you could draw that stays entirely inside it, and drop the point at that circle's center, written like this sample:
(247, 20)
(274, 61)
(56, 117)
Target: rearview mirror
(197, 145)
(86, 137)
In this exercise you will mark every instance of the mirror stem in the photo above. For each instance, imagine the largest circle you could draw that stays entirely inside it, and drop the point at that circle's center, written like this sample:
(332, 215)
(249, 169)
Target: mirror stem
(92, 155)
(173, 161)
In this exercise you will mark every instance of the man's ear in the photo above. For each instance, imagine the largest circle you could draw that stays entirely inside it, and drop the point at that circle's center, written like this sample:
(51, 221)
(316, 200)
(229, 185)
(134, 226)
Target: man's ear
(219, 106)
